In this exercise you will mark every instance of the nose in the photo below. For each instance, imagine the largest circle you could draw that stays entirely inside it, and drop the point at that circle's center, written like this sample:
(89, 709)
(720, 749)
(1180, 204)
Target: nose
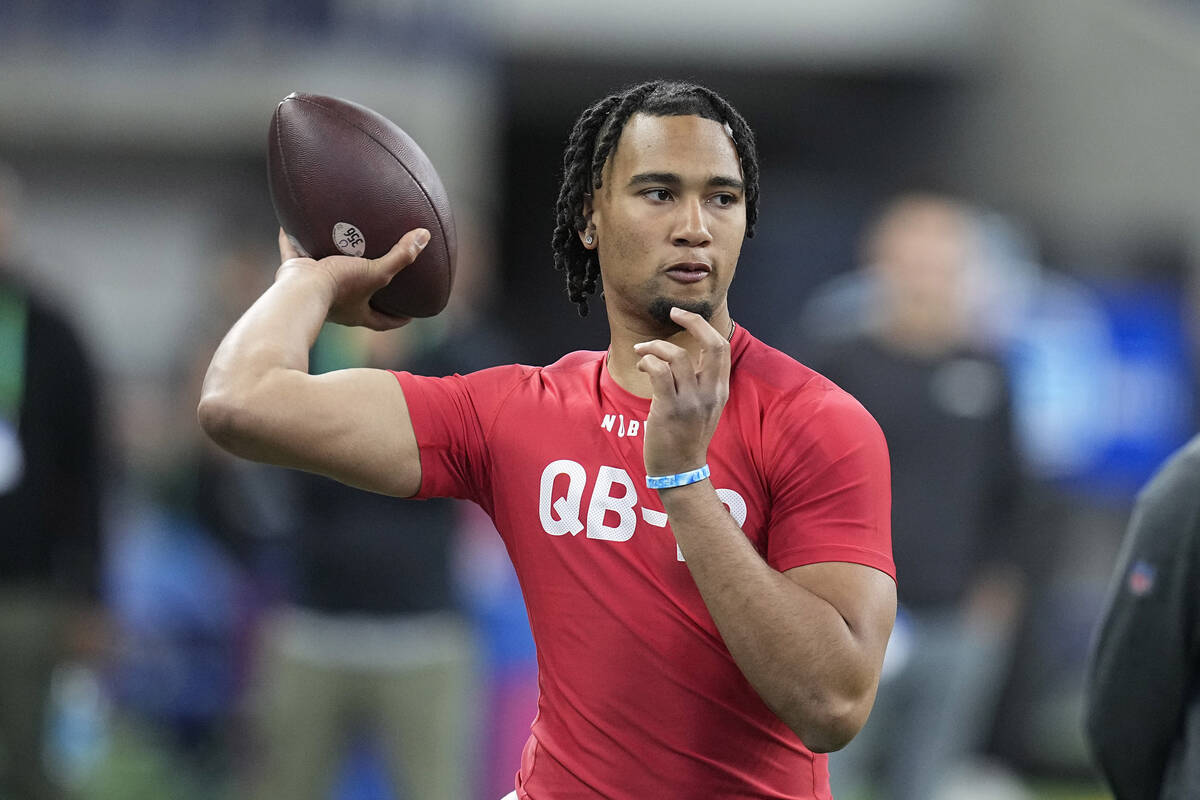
(691, 225)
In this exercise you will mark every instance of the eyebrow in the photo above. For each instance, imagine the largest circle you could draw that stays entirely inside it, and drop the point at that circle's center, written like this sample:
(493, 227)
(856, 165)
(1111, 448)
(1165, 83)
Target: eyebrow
(671, 179)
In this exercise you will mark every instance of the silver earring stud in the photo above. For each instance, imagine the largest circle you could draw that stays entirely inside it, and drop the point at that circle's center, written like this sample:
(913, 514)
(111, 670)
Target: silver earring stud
(589, 239)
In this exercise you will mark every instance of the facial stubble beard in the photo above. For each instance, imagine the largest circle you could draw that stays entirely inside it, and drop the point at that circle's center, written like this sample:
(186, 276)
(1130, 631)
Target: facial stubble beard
(660, 311)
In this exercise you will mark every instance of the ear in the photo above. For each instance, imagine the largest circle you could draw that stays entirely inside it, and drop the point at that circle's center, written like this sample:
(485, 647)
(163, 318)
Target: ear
(587, 236)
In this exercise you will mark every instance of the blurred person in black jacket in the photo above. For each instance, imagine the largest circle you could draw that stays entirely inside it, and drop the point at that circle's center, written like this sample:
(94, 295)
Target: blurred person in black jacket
(50, 540)
(944, 408)
(1143, 688)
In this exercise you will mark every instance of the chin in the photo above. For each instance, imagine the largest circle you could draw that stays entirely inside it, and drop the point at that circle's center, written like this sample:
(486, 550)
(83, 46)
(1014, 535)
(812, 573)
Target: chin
(660, 310)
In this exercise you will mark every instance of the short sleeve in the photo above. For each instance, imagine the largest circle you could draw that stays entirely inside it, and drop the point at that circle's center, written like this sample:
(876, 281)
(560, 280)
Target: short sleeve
(451, 418)
(830, 482)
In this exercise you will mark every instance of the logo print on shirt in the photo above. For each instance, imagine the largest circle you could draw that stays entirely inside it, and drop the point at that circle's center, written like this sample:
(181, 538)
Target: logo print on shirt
(631, 428)
(1141, 578)
(612, 508)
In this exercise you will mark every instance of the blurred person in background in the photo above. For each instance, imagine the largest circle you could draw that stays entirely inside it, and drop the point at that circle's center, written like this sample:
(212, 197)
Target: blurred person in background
(370, 649)
(50, 499)
(944, 407)
(181, 600)
(1143, 688)
(716, 641)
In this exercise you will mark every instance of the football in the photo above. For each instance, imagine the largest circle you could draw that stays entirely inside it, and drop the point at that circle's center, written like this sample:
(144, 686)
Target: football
(345, 179)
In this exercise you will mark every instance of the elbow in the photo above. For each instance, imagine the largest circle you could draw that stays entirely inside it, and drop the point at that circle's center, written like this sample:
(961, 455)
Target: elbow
(832, 733)
(828, 724)
(222, 419)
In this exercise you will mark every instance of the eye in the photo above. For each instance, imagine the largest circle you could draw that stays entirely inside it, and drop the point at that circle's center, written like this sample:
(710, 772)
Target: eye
(724, 200)
(659, 195)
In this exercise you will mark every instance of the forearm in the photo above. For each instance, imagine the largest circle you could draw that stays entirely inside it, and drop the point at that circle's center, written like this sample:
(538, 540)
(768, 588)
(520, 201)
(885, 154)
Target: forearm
(794, 647)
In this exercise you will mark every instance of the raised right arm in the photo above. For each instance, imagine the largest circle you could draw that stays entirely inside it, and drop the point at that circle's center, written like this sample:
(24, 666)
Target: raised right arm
(259, 401)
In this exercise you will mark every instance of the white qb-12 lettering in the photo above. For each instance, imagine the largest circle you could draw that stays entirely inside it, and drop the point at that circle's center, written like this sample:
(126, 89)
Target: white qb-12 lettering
(613, 491)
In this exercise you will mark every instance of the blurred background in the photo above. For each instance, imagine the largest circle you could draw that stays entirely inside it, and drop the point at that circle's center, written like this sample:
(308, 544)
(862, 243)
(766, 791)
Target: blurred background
(134, 212)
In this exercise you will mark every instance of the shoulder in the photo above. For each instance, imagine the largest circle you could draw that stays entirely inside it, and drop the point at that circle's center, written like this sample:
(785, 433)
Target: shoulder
(570, 365)
(575, 362)
(755, 363)
(499, 377)
(796, 416)
(1182, 468)
(522, 383)
(780, 383)
(572, 378)
(1164, 526)
(1171, 494)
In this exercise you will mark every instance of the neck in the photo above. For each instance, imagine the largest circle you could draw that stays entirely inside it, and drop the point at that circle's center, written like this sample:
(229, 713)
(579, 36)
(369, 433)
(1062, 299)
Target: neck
(623, 361)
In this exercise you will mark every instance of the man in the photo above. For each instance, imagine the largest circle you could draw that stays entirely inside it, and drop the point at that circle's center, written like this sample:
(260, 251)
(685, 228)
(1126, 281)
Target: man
(944, 406)
(1143, 688)
(679, 655)
(50, 513)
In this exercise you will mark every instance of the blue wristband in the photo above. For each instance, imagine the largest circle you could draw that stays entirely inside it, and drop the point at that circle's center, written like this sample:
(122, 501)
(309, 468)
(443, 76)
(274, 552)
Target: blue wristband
(680, 479)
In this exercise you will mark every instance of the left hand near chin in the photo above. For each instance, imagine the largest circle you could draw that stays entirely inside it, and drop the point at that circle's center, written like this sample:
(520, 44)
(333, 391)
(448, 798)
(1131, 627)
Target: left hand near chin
(689, 394)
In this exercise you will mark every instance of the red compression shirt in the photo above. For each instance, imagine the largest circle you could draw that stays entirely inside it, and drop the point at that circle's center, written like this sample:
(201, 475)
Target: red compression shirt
(639, 697)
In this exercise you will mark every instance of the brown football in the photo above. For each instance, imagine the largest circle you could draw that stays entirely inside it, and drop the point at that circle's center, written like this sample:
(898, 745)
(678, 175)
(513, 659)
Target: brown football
(345, 179)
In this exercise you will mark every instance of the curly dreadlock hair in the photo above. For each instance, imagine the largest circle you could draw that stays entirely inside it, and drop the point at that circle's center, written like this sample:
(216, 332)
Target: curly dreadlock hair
(592, 142)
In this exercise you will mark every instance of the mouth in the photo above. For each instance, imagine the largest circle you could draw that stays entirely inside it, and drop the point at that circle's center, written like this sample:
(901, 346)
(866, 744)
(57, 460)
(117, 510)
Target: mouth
(689, 271)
